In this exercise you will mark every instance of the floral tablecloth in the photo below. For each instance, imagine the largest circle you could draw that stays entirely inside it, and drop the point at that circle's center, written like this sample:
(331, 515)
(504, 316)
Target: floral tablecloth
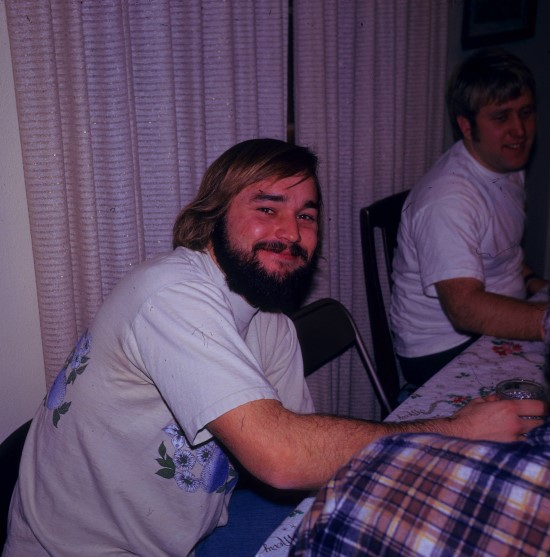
(472, 374)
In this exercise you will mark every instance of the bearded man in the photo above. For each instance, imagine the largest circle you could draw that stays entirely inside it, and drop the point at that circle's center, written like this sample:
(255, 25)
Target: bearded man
(190, 366)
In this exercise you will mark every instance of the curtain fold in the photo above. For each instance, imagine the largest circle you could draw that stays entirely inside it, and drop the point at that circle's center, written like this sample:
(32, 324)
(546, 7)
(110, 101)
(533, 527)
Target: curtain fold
(369, 98)
(122, 105)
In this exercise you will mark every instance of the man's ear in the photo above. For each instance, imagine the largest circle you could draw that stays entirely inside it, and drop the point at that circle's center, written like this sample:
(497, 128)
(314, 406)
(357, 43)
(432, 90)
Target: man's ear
(465, 127)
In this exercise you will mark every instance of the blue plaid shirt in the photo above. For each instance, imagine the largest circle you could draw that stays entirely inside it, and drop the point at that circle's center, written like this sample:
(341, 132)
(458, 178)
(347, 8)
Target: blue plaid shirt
(424, 494)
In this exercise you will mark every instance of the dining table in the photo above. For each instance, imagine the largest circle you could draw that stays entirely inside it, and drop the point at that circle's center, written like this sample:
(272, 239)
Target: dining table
(473, 373)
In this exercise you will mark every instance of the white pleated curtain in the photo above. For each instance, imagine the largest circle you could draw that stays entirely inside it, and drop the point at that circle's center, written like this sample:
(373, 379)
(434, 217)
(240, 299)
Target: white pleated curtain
(369, 94)
(121, 106)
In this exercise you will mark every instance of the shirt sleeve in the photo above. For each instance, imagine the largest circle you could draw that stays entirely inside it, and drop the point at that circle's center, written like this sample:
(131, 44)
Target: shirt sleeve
(189, 346)
(447, 234)
(274, 339)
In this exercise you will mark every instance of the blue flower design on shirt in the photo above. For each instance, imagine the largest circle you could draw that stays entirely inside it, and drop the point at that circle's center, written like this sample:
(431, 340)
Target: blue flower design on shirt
(76, 363)
(56, 396)
(206, 467)
(186, 481)
(214, 474)
(185, 459)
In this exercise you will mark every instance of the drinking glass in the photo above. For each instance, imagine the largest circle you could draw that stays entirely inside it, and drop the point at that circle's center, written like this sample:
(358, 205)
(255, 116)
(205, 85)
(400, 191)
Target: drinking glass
(522, 388)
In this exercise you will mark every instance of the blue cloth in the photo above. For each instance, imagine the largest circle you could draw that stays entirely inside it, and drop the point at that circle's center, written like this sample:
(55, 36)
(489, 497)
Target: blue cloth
(252, 518)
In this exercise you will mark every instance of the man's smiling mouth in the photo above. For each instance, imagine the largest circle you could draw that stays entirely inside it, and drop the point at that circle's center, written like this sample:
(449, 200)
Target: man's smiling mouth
(286, 250)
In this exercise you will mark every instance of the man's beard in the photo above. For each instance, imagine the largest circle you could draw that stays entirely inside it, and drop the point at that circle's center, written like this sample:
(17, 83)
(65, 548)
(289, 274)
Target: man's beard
(246, 276)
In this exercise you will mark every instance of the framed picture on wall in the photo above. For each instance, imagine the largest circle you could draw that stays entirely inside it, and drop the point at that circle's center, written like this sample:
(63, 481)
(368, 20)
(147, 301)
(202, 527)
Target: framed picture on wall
(491, 22)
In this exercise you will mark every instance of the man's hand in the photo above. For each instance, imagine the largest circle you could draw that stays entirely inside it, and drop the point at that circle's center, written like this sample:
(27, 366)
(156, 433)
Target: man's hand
(533, 283)
(491, 419)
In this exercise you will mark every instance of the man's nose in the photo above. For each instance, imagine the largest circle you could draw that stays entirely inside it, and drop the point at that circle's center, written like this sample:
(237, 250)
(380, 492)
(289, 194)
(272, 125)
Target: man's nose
(288, 229)
(517, 126)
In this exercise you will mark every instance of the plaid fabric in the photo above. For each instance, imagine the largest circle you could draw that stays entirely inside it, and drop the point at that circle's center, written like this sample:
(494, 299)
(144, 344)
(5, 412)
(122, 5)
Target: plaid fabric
(429, 495)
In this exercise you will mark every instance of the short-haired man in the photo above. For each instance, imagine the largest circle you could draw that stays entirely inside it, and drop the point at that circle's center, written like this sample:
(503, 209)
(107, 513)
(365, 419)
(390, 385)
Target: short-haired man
(431, 495)
(458, 268)
(189, 365)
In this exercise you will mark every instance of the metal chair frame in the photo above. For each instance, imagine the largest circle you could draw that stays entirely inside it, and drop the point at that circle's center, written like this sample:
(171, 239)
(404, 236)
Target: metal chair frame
(326, 329)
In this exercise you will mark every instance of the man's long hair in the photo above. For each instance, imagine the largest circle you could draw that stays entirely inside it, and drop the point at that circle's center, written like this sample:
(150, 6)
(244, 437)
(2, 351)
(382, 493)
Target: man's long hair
(488, 75)
(240, 166)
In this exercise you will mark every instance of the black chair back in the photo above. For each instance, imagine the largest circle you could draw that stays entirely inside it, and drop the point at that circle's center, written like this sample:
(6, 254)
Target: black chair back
(10, 457)
(383, 215)
(326, 329)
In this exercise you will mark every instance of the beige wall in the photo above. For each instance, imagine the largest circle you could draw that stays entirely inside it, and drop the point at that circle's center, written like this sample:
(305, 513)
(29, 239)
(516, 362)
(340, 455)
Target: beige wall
(22, 384)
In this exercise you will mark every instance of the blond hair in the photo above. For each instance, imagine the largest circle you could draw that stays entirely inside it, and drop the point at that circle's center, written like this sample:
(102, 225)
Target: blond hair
(240, 166)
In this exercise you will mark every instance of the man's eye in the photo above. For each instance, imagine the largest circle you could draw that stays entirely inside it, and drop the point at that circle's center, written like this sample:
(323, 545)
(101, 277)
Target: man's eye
(310, 218)
(266, 210)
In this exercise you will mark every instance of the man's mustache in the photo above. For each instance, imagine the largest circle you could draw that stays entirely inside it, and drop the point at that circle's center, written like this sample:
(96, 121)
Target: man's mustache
(295, 249)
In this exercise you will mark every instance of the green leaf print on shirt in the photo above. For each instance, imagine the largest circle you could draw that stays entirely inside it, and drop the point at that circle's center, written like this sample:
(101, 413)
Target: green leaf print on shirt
(168, 467)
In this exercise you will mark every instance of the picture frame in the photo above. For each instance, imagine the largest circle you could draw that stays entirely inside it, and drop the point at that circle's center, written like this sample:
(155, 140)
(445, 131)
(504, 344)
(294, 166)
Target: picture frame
(491, 22)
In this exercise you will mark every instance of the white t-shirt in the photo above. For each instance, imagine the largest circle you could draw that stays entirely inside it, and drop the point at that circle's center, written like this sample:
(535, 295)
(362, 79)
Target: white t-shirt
(118, 459)
(460, 221)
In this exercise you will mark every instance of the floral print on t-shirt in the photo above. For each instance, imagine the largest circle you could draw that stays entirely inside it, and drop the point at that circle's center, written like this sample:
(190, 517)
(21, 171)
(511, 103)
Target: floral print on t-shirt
(75, 364)
(206, 467)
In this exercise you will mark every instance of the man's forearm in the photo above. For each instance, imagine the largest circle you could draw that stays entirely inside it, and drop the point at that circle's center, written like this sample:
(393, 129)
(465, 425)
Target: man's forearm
(293, 451)
(473, 310)
(501, 316)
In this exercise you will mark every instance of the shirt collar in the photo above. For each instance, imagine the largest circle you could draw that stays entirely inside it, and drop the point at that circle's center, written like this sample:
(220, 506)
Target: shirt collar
(494, 177)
